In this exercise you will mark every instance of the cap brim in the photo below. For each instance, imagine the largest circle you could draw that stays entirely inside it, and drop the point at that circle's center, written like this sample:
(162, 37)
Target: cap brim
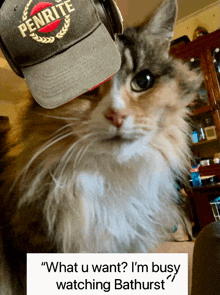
(75, 71)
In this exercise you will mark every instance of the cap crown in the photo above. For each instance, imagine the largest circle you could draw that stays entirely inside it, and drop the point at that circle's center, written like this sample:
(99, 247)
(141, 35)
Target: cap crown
(40, 29)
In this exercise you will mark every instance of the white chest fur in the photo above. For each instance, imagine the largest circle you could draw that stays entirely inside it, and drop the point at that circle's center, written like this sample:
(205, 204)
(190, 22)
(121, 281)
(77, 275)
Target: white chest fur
(119, 207)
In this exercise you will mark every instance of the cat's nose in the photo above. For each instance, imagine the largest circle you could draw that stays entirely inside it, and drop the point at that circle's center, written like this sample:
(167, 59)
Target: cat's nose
(116, 117)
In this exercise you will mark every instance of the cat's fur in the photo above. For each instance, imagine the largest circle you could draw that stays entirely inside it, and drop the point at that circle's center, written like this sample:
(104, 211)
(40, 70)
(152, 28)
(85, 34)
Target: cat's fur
(74, 182)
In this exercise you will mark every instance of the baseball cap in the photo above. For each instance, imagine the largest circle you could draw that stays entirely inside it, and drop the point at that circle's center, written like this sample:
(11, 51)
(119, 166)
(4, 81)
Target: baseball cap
(61, 47)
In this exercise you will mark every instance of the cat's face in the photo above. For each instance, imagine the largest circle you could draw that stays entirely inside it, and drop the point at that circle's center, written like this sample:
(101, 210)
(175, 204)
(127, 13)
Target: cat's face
(148, 96)
(134, 101)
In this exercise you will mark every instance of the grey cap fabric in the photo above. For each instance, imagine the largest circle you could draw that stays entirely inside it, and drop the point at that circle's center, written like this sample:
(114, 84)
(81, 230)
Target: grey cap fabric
(61, 47)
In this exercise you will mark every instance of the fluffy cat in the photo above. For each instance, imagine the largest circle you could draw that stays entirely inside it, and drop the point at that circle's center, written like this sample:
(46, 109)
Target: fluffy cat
(98, 174)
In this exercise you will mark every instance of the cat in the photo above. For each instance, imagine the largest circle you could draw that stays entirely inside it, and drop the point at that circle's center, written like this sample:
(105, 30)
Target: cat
(98, 174)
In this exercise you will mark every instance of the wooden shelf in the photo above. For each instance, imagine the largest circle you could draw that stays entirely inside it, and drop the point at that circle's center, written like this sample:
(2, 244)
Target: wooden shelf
(205, 142)
(196, 45)
(213, 169)
(201, 110)
(202, 49)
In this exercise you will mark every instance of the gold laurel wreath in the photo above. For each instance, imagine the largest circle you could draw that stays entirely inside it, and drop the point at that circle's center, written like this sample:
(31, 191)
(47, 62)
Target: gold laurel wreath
(24, 16)
(65, 27)
(42, 39)
(45, 40)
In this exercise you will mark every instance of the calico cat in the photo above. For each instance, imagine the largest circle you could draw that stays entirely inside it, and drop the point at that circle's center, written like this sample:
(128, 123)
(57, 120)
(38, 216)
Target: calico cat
(98, 174)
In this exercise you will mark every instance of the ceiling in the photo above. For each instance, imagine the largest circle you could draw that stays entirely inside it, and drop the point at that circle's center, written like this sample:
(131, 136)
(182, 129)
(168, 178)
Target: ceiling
(134, 10)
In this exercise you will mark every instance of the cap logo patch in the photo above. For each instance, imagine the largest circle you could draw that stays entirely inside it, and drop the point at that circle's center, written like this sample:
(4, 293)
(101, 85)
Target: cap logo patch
(45, 17)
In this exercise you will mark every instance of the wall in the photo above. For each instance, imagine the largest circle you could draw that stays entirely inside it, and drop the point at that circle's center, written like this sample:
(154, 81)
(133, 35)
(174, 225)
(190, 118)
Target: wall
(8, 109)
(12, 90)
(208, 17)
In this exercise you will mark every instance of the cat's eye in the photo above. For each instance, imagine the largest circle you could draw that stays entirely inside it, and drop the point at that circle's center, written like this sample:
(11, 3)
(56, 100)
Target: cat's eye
(142, 81)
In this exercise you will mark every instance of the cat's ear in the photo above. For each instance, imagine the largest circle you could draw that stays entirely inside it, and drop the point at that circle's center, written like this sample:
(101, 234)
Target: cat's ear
(162, 22)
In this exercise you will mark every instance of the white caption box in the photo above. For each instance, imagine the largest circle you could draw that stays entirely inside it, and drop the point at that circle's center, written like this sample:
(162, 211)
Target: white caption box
(163, 274)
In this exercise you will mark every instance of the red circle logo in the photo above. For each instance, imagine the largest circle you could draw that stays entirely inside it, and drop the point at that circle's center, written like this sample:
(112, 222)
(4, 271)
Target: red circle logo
(50, 27)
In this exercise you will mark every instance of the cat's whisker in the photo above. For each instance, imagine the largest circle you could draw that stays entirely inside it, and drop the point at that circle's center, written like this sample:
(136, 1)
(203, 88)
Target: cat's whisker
(97, 127)
(134, 134)
(22, 174)
(82, 152)
(75, 130)
(60, 129)
(43, 148)
(143, 127)
(69, 153)
(98, 133)
(58, 117)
